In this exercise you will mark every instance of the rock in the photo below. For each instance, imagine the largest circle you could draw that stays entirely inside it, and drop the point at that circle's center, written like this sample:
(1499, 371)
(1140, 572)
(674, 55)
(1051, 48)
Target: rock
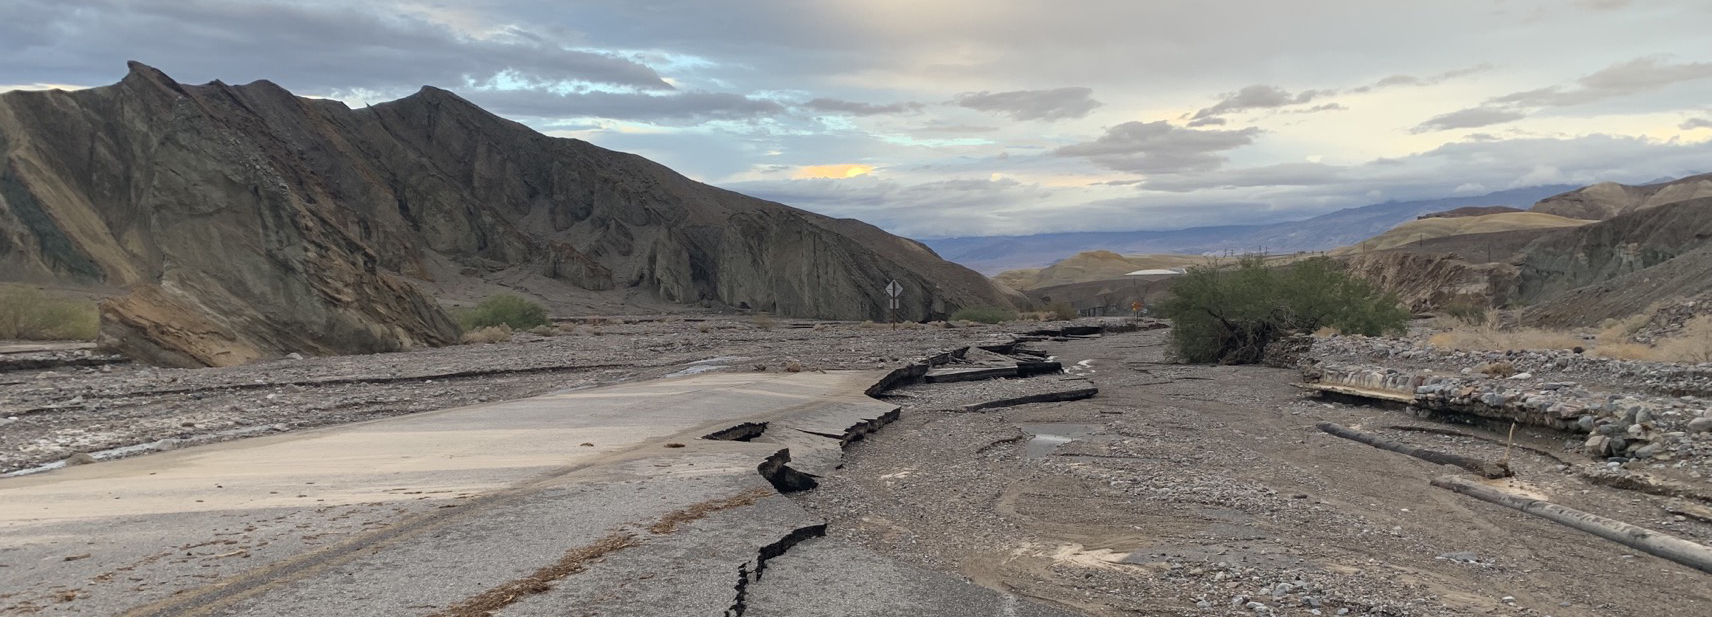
(257, 223)
(1521, 376)
(1648, 451)
(1700, 425)
(1282, 589)
(81, 458)
(1597, 446)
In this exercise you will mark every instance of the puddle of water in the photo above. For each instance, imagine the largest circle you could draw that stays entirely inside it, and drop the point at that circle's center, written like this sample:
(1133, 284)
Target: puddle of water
(1047, 436)
(697, 370)
(144, 448)
(720, 359)
(702, 366)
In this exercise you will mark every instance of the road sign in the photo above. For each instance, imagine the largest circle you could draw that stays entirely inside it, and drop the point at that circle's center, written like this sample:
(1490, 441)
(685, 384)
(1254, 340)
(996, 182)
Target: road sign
(893, 290)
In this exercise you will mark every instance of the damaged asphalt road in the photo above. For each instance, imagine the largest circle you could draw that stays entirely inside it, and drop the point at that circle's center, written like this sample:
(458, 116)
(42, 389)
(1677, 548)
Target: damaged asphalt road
(606, 501)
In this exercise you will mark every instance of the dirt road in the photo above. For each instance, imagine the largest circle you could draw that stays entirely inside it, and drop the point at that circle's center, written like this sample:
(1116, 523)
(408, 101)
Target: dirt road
(1206, 490)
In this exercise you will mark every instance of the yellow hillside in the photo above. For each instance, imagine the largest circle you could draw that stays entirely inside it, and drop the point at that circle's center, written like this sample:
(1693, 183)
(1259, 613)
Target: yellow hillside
(1091, 266)
(1427, 229)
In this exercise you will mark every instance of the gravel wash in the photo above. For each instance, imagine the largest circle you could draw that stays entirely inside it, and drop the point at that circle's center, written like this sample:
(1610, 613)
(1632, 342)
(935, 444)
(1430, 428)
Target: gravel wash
(1207, 490)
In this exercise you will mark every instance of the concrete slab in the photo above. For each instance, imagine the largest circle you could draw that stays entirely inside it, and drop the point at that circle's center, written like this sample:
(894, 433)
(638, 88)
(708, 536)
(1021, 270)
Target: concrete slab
(970, 374)
(831, 578)
(228, 526)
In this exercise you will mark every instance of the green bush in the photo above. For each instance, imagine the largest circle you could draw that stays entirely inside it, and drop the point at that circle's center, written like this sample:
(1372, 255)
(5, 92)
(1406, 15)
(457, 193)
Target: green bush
(1229, 314)
(503, 310)
(27, 313)
(984, 314)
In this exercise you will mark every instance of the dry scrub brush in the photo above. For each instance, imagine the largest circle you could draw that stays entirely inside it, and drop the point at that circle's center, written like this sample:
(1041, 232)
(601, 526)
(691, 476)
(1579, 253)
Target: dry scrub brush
(491, 334)
(27, 313)
(1693, 343)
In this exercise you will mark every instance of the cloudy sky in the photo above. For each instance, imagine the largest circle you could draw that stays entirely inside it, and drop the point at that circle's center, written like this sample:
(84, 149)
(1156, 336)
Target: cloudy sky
(982, 117)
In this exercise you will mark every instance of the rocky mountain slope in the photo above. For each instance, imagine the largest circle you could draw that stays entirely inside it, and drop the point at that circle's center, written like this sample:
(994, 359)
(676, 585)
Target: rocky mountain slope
(1091, 266)
(995, 254)
(1608, 199)
(1470, 211)
(1420, 230)
(251, 222)
(1618, 267)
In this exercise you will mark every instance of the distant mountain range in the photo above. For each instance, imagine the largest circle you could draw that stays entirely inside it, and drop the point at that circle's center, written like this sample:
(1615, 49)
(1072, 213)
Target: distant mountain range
(990, 255)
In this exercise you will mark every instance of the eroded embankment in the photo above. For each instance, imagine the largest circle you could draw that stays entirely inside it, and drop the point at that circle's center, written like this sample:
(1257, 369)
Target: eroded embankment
(1613, 424)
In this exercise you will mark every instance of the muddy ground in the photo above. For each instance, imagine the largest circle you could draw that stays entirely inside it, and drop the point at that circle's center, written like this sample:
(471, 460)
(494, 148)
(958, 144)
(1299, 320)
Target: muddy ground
(1178, 490)
(115, 410)
(1207, 490)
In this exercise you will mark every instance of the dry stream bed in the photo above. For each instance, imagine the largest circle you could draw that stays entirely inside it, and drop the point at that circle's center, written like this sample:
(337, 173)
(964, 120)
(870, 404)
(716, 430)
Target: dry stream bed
(1177, 490)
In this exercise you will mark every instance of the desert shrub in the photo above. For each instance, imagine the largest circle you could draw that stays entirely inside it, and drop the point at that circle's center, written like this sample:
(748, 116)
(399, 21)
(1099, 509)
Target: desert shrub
(1692, 344)
(1063, 311)
(544, 330)
(490, 334)
(1500, 369)
(27, 313)
(762, 321)
(1467, 312)
(508, 310)
(1490, 337)
(984, 314)
(1230, 314)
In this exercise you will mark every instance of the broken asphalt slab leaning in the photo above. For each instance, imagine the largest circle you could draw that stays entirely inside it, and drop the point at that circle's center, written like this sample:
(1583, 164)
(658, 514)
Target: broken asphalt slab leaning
(650, 498)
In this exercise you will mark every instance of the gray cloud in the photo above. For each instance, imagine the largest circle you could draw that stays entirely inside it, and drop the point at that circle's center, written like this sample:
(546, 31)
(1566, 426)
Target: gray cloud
(856, 108)
(1603, 5)
(1696, 123)
(955, 128)
(692, 106)
(1258, 96)
(1284, 174)
(1632, 77)
(1055, 104)
(1210, 121)
(1320, 108)
(1431, 80)
(308, 47)
(1159, 147)
(1472, 117)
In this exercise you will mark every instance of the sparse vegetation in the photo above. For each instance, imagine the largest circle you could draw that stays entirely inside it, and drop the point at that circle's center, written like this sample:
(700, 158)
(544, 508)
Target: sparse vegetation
(984, 314)
(491, 334)
(1063, 311)
(1467, 312)
(27, 313)
(1230, 314)
(1490, 337)
(762, 321)
(1693, 343)
(514, 312)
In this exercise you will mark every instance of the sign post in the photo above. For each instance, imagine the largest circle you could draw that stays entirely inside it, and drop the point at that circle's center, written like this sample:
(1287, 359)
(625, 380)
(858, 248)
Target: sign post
(893, 291)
